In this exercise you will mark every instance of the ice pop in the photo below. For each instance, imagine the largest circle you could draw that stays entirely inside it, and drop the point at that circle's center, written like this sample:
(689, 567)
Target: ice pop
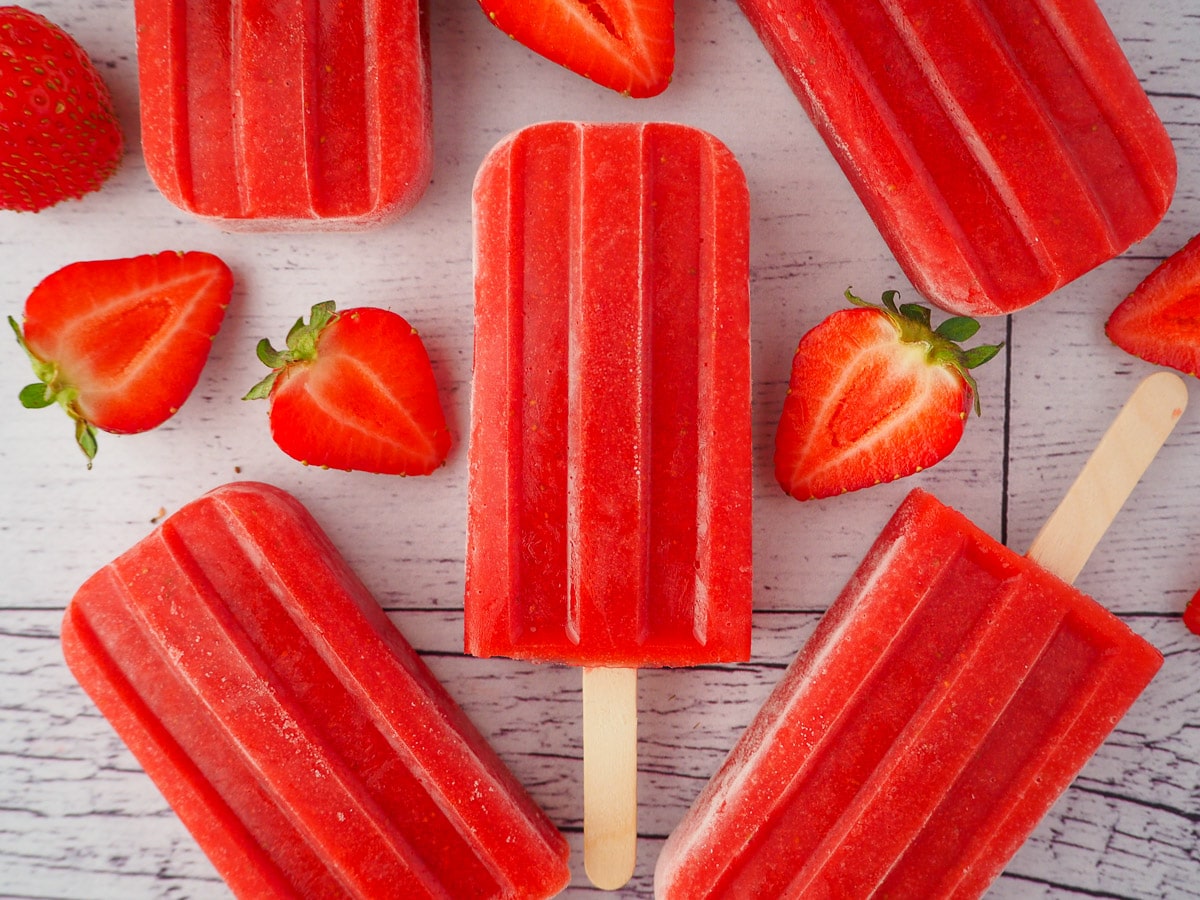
(609, 492)
(274, 115)
(946, 699)
(306, 746)
(1003, 147)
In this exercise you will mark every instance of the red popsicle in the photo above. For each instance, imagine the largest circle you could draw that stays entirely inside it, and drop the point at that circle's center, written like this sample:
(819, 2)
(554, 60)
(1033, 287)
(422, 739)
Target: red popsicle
(272, 116)
(609, 518)
(295, 732)
(947, 698)
(1003, 147)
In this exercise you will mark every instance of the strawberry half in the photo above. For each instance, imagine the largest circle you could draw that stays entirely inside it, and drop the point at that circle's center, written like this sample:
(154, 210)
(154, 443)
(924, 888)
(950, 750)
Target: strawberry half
(355, 390)
(876, 394)
(1191, 614)
(59, 136)
(119, 343)
(1160, 320)
(626, 45)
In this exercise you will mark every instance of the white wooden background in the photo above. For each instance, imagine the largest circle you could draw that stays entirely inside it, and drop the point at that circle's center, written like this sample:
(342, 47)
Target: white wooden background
(77, 817)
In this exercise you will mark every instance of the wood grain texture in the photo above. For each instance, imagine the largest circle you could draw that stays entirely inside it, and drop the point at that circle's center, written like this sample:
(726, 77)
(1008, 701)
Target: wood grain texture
(78, 819)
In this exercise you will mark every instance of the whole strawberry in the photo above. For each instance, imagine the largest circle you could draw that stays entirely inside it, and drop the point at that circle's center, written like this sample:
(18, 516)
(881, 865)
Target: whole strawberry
(355, 390)
(119, 343)
(876, 394)
(59, 136)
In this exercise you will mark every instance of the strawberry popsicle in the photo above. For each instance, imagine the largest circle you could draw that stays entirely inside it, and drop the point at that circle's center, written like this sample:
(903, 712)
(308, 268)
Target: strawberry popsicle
(306, 746)
(275, 116)
(609, 496)
(1003, 147)
(946, 699)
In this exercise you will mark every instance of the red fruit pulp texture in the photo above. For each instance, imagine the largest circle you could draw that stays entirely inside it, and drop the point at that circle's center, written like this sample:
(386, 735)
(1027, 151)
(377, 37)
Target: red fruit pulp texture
(295, 732)
(946, 699)
(316, 117)
(609, 499)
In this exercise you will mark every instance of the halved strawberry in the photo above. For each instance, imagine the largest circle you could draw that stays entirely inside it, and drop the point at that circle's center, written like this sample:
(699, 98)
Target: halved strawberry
(1160, 320)
(876, 394)
(355, 390)
(59, 136)
(119, 343)
(1191, 614)
(626, 45)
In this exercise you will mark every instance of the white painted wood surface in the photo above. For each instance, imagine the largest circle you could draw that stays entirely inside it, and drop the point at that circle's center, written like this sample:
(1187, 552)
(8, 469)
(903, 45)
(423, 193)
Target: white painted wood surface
(77, 817)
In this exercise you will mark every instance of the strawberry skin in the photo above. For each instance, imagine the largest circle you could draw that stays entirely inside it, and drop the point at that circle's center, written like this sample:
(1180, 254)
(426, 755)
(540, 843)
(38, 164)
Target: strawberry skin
(355, 390)
(1191, 614)
(625, 45)
(875, 394)
(59, 135)
(120, 343)
(1160, 320)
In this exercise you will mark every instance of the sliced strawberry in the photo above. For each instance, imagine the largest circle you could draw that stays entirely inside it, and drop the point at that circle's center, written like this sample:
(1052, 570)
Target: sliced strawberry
(355, 390)
(59, 136)
(1160, 320)
(876, 394)
(626, 45)
(1191, 614)
(120, 343)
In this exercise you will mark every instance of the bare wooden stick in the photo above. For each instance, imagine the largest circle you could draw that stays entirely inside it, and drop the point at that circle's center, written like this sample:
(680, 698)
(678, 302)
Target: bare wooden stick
(1115, 466)
(609, 775)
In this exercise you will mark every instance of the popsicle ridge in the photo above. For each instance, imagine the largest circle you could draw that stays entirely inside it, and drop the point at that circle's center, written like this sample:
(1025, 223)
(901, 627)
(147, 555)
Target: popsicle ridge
(335, 808)
(612, 336)
(400, 792)
(269, 733)
(267, 115)
(998, 158)
(919, 773)
(415, 732)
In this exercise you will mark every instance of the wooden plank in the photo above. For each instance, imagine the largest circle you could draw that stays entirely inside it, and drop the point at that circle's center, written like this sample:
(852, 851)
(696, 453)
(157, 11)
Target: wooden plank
(77, 817)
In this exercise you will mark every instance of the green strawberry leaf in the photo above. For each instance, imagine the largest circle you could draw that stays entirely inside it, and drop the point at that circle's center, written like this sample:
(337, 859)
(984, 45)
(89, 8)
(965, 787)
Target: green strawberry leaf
(36, 396)
(958, 328)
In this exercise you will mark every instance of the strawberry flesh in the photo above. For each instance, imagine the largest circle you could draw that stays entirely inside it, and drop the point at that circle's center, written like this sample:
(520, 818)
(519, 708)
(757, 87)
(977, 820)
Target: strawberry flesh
(1191, 614)
(1160, 320)
(625, 45)
(355, 390)
(875, 394)
(120, 343)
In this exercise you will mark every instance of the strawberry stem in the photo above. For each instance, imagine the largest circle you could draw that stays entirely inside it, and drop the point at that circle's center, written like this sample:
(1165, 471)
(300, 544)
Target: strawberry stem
(50, 389)
(914, 324)
(301, 347)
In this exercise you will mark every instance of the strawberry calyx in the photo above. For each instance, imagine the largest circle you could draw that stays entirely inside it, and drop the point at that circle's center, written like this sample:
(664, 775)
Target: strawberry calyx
(914, 325)
(301, 344)
(50, 389)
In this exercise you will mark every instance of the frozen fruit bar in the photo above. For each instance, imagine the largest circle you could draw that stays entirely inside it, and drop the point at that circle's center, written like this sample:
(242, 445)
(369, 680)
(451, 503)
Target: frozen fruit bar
(1003, 147)
(297, 735)
(609, 498)
(275, 115)
(609, 495)
(947, 698)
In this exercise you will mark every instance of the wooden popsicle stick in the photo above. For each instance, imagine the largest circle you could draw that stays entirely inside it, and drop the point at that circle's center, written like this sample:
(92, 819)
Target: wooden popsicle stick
(609, 775)
(1115, 466)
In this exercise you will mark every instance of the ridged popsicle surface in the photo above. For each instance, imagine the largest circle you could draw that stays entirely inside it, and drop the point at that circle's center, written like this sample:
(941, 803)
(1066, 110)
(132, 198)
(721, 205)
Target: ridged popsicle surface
(609, 516)
(947, 698)
(1003, 147)
(306, 746)
(286, 114)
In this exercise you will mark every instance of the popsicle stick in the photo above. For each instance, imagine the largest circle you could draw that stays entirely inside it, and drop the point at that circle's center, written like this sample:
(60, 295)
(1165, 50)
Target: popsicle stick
(1115, 466)
(609, 775)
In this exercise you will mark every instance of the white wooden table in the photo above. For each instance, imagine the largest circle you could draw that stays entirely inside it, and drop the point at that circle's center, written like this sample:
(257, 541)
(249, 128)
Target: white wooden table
(78, 819)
